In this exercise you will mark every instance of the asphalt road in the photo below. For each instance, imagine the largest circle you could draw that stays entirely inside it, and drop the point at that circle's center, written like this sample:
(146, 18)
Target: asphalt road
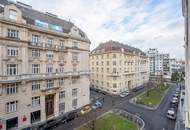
(154, 119)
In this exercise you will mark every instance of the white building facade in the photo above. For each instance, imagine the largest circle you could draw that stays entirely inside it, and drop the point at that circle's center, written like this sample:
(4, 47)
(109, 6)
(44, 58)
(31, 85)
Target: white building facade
(43, 74)
(159, 63)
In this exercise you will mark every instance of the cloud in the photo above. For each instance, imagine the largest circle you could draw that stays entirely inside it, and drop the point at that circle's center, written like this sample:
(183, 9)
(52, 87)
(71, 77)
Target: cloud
(140, 23)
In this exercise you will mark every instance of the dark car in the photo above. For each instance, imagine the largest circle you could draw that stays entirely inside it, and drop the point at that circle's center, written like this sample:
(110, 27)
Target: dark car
(71, 116)
(49, 125)
(137, 88)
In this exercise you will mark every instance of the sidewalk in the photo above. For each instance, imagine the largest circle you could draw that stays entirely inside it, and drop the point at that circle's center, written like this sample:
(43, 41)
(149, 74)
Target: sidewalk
(179, 121)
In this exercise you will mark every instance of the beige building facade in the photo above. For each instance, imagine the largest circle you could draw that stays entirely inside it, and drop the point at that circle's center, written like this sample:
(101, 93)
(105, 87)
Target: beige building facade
(42, 71)
(116, 67)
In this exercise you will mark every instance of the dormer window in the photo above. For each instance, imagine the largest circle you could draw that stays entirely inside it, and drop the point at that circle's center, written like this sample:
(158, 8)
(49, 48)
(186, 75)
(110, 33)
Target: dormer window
(13, 14)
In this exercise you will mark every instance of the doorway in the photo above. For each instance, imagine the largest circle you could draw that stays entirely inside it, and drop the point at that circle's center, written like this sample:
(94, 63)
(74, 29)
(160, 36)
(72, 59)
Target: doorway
(49, 105)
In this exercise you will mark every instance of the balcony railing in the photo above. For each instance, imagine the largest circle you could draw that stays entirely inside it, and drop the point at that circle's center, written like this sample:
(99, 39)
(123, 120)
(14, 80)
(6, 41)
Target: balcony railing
(18, 78)
(114, 74)
(49, 90)
(46, 46)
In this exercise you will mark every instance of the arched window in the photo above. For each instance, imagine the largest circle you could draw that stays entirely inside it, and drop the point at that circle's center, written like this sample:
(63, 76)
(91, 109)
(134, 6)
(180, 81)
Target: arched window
(13, 14)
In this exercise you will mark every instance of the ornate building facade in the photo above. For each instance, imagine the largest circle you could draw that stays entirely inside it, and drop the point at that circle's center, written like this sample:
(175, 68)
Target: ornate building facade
(116, 67)
(42, 71)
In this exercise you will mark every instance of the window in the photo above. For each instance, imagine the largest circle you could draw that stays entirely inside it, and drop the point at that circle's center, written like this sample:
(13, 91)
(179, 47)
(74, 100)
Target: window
(74, 103)
(107, 70)
(114, 78)
(35, 86)
(11, 106)
(61, 95)
(12, 51)
(35, 53)
(36, 101)
(49, 42)
(61, 68)
(75, 56)
(96, 62)
(50, 54)
(61, 45)
(35, 39)
(114, 63)
(74, 80)
(74, 68)
(12, 123)
(61, 82)
(13, 14)
(61, 107)
(12, 33)
(35, 68)
(11, 89)
(12, 69)
(102, 63)
(107, 62)
(107, 55)
(114, 70)
(50, 83)
(49, 68)
(75, 45)
(74, 92)
(114, 55)
(35, 116)
(114, 85)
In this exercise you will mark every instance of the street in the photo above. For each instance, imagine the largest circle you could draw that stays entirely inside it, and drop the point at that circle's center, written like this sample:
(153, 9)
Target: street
(154, 119)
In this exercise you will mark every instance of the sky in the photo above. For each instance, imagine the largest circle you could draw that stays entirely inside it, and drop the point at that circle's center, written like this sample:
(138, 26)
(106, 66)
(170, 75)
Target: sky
(140, 23)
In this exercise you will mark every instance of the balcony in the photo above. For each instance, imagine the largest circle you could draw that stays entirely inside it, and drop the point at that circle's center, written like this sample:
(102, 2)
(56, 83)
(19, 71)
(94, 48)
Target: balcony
(19, 78)
(129, 72)
(116, 74)
(74, 61)
(13, 58)
(49, 90)
(47, 46)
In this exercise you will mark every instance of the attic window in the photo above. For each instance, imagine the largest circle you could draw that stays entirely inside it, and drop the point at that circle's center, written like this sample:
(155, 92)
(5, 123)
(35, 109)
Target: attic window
(13, 14)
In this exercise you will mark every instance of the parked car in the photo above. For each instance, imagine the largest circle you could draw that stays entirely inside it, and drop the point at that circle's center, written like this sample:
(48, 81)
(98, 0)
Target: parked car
(174, 102)
(71, 116)
(176, 95)
(86, 110)
(124, 94)
(137, 88)
(175, 99)
(171, 114)
(50, 124)
(96, 105)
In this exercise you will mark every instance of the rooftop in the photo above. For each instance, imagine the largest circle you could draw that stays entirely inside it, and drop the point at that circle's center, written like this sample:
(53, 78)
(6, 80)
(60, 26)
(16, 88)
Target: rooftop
(117, 46)
(31, 15)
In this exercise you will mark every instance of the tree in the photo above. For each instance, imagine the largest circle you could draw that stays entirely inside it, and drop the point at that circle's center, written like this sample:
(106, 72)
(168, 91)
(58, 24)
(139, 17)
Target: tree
(175, 76)
(149, 86)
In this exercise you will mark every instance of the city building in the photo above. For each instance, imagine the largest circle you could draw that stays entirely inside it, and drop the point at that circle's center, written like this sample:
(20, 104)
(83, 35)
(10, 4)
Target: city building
(176, 65)
(186, 14)
(43, 73)
(116, 67)
(159, 63)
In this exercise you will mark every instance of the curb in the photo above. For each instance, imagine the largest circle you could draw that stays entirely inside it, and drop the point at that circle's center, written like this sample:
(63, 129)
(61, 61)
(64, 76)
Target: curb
(119, 112)
(147, 107)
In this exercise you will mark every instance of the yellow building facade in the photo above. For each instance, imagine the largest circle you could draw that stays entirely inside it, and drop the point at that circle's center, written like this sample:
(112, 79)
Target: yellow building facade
(116, 67)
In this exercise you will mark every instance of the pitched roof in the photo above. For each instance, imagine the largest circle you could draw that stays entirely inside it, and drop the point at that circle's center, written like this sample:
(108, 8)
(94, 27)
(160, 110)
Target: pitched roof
(115, 45)
(30, 15)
